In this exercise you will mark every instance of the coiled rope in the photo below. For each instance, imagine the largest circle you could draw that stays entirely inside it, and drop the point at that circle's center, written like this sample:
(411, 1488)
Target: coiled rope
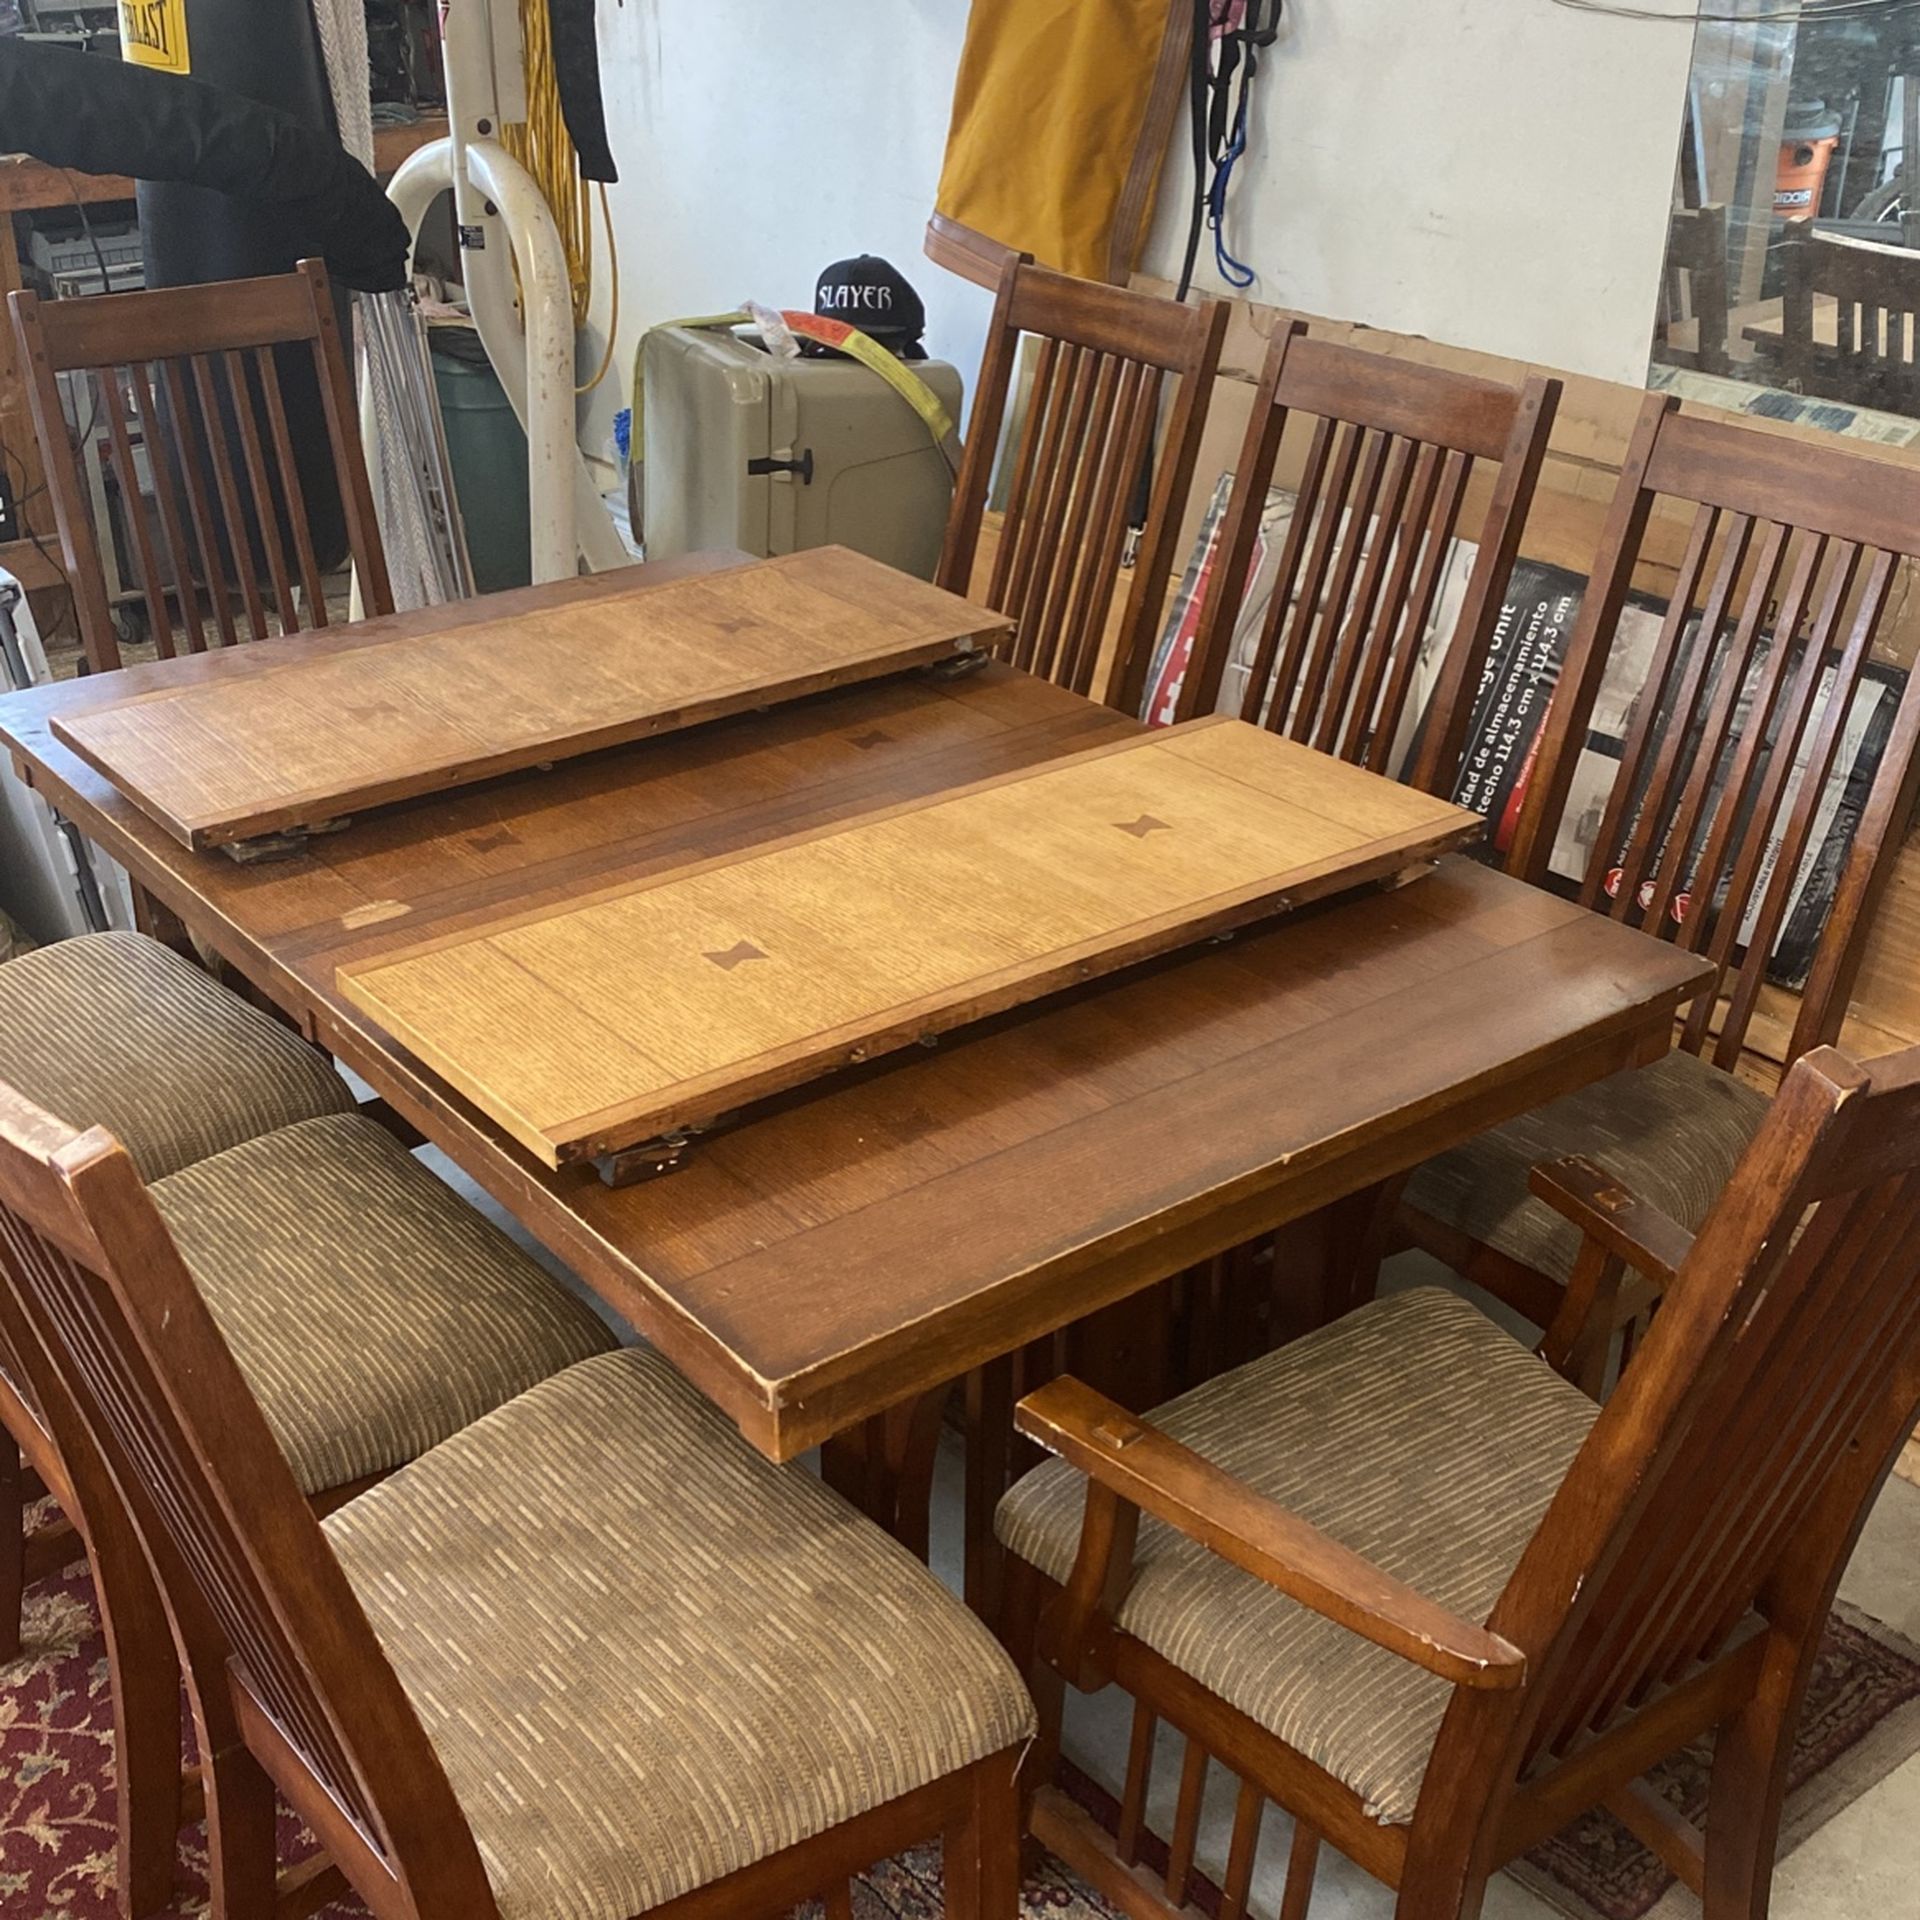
(543, 146)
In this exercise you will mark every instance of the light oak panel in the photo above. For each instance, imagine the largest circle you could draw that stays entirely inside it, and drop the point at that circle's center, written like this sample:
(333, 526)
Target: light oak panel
(322, 731)
(597, 1023)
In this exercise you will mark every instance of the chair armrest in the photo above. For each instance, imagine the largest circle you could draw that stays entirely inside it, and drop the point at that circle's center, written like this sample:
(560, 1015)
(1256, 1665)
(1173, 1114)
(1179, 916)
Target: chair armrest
(1651, 1242)
(1147, 1469)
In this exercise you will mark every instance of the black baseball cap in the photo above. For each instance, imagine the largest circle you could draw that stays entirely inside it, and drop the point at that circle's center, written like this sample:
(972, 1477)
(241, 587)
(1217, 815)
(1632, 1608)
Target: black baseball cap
(869, 293)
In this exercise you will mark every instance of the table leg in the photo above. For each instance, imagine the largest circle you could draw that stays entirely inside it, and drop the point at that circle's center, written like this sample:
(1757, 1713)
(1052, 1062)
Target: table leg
(1329, 1263)
(885, 1467)
(989, 1434)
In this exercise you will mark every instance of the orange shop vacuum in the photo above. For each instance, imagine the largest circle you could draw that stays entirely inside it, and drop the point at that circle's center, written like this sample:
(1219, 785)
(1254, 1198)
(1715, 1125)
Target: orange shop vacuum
(1806, 151)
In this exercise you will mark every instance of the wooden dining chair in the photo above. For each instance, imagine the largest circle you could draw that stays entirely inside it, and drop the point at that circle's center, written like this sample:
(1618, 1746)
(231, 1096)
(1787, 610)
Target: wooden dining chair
(592, 1657)
(1405, 1581)
(1873, 359)
(192, 386)
(375, 1311)
(1764, 658)
(1103, 356)
(1336, 662)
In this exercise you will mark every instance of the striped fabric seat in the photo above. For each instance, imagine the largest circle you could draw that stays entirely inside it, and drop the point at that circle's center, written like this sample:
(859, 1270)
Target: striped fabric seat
(1414, 1431)
(373, 1312)
(646, 1656)
(1672, 1132)
(115, 1030)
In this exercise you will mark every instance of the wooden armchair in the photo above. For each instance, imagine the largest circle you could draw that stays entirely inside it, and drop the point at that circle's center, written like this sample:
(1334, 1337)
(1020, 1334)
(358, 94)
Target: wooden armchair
(1873, 356)
(590, 1657)
(1696, 834)
(1336, 660)
(1104, 355)
(1408, 1583)
(178, 374)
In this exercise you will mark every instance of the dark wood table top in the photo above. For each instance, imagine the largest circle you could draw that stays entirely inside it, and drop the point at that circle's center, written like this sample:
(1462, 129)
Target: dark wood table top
(859, 1242)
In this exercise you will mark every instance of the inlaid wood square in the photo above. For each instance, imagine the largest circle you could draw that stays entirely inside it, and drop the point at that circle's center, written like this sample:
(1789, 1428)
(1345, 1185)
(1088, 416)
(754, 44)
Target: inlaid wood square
(322, 725)
(600, 1023)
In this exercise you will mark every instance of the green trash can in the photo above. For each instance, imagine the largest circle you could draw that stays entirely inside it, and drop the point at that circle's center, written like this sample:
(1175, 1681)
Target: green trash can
(489, 455)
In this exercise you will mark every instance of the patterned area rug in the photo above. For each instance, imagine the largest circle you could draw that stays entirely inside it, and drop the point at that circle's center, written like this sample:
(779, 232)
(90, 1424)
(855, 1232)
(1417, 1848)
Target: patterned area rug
(57, 1816)
(1862, 1721)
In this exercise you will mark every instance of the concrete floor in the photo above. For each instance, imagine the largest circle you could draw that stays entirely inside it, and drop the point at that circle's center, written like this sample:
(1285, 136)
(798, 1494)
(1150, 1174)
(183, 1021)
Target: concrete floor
(1863, 1865)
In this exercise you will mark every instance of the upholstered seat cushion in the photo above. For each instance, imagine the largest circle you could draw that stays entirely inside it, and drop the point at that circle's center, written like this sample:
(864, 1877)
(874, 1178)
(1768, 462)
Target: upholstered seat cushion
(1672, 1132)
(373, 1312)
(115, 1030)
(647, 1656)
(1414, 1431)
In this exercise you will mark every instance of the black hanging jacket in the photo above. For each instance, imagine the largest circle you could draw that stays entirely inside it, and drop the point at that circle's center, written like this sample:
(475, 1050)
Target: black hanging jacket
(99, 115)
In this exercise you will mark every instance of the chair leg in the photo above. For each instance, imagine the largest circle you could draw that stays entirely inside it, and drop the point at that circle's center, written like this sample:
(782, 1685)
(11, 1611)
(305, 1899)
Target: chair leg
(242, 1854)
(1745, 1797)
(13, 1546)
(1302, 1863)
(144, 1673)
(1018, 1628)
(989, 1431)
(981, 1862)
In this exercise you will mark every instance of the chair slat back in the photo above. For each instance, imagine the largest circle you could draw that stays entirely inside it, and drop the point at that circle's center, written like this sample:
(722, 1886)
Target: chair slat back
(1393, 448)
(1874, 357)
(1103, 356)
(1761, 678)
(1785, 1356)
(124, 1357)
(189, 383)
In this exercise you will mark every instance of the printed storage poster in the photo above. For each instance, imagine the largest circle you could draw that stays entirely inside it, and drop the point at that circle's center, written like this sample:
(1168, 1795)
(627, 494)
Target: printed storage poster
(1518, 677)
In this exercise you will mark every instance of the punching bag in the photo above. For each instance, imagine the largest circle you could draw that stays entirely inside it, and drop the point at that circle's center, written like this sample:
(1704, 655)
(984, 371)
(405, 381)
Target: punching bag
(269, 51)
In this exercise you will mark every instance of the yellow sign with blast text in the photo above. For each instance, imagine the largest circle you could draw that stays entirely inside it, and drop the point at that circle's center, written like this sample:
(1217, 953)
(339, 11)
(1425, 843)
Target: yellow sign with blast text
(153, 33)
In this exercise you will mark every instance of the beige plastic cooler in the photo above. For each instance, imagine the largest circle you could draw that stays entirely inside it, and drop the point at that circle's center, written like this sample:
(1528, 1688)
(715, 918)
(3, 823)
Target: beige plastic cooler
(743, 450)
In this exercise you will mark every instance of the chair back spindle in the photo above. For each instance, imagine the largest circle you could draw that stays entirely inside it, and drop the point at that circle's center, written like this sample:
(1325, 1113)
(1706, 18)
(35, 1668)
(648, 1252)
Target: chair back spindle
(189, 384)
(1762, 675)
(1103, 357)
(1726, 1479)
(1873, 359)
(120, 1352)
(1392, 449)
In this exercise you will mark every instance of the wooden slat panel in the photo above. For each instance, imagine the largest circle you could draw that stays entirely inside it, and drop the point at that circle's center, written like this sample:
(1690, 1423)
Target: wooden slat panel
(321, 732)
(592, 1025)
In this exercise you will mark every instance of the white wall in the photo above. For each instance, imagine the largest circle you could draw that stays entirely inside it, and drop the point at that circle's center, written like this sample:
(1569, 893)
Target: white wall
(1495, 173)
(1491, 173)
(760, 140)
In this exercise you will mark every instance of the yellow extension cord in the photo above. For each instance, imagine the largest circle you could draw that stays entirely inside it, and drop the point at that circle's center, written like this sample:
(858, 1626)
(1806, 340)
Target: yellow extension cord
(543, 146)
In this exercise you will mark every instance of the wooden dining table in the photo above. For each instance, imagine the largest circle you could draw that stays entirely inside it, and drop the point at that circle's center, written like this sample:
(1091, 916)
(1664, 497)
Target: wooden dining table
(828, 1264)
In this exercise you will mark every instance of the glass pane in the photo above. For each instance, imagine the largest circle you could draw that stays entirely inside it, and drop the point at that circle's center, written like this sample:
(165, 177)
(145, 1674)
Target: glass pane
(1792, 279)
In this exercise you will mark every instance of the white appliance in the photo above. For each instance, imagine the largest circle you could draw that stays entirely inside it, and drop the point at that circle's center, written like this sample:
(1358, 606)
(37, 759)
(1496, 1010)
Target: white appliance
(741, 449)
